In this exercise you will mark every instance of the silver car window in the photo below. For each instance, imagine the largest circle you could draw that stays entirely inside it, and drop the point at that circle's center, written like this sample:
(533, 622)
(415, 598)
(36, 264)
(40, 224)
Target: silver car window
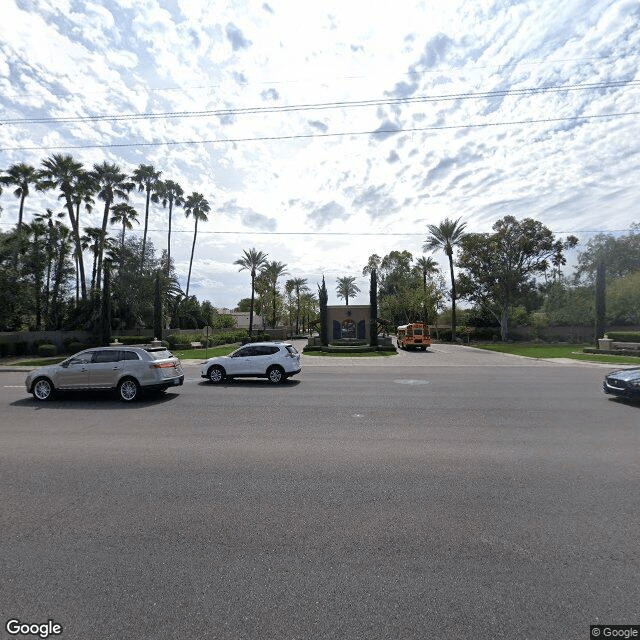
(81, 358)
(111, 355)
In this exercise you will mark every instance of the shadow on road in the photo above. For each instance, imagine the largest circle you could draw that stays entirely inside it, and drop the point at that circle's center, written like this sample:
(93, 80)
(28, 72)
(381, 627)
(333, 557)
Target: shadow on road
(94, 400)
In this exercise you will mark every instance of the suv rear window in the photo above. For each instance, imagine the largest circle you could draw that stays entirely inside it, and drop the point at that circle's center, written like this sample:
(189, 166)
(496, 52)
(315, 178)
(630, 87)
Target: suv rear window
(160, 354)
(291, 349)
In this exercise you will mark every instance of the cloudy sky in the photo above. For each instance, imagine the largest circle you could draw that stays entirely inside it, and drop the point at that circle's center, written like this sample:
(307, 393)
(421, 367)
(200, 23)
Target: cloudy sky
(323, 132)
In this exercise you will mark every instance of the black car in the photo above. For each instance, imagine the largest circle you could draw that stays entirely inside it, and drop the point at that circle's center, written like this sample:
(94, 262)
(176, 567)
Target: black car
(625, 383)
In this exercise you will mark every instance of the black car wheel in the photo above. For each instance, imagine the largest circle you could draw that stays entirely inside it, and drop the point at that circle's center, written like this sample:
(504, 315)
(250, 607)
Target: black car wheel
(42, 389)
(216, 374)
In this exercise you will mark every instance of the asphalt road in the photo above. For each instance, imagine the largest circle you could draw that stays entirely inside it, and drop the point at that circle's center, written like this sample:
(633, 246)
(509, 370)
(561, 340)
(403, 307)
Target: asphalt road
(452, 494)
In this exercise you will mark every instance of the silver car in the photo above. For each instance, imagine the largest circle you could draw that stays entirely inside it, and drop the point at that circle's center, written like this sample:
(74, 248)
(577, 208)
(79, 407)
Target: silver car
(126, 369)
(273, 360)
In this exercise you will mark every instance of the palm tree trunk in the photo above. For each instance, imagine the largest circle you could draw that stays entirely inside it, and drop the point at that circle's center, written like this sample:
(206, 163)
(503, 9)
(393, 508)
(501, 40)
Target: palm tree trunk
(23, 196)
(105, 220)
(453, 300)
(253, 289)
(193, 248)
(169, 239)
(146, 224)
(76, 236)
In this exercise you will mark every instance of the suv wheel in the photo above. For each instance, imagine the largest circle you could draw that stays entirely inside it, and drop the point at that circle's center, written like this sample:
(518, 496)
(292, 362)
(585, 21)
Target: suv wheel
(276, 375)
(216, 374)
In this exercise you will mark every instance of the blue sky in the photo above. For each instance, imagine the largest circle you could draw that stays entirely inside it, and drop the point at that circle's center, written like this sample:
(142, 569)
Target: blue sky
(306, 124)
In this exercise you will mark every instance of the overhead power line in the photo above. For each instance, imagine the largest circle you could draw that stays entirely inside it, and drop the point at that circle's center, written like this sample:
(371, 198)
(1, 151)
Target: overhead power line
(303, 136)
(498, 93)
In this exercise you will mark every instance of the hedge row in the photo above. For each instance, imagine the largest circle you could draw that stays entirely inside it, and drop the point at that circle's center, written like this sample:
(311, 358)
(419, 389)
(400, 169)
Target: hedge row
(184, 340)
(624, 336)
(347, 349)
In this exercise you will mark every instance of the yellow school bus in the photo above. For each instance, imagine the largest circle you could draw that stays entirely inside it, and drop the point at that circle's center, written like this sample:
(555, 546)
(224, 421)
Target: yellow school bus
(413, 336)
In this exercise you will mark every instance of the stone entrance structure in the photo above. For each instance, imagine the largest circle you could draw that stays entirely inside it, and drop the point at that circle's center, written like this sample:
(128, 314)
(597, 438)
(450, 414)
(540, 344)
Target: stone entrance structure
(349, 322)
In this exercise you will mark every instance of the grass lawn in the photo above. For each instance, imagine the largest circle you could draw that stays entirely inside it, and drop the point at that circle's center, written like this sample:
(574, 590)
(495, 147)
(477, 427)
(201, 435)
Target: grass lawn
(211, 352)
(546, 351)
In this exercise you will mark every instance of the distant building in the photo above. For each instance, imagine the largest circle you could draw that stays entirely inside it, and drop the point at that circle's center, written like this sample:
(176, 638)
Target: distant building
(242, 318)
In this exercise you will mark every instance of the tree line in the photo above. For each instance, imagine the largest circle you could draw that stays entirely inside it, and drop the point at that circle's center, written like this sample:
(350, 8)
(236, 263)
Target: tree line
(513, 273)
(45, 279)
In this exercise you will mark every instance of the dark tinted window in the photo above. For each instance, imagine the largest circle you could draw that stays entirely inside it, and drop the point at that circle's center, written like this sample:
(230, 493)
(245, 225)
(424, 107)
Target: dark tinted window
(266, 350)
(106, 356)
(130, 355)
(82, 358)
(246, 351)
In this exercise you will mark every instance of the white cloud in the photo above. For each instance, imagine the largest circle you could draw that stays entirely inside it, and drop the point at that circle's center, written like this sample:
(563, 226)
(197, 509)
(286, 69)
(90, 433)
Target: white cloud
(77, 59)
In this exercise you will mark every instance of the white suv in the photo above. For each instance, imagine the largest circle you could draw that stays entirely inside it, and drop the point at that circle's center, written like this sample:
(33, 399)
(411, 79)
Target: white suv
(273, 360)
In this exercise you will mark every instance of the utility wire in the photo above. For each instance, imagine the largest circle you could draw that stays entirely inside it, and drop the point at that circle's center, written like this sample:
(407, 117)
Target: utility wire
(499, 93)
(322, 135)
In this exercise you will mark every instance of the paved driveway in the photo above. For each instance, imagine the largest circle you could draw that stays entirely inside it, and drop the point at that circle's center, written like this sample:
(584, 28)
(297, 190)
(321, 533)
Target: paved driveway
(441, 355)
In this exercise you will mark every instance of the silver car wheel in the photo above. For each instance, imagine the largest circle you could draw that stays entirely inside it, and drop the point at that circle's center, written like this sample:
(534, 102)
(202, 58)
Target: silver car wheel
(128, 390)
(42, 389)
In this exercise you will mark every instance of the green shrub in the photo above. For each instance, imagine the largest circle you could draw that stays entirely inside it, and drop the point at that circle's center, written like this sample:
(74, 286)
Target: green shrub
(624, 336)
(47, 350)
(184, 340)
(21, 348)
(75, 346)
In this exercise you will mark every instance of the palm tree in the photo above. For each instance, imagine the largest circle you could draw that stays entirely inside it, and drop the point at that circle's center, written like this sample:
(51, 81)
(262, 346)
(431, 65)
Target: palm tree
(299, 285)
(20, 175)
(347, 288)
(252, 261)
(272, 271)
(35, 261)
(63, 172)
(94, 238)
(447, 235)
(196, 206)
(427, 267)
(170, 192)
(110, 183)
(54, 233)
(147, 178)
(124, 214)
